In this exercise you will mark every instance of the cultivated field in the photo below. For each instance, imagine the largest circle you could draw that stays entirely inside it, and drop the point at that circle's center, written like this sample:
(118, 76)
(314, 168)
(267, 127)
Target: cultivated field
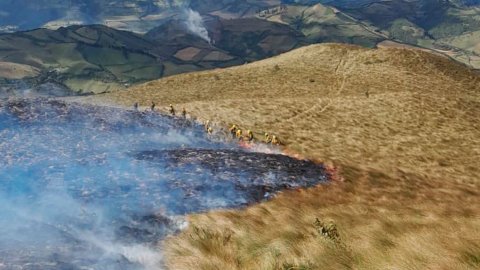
(402, 128)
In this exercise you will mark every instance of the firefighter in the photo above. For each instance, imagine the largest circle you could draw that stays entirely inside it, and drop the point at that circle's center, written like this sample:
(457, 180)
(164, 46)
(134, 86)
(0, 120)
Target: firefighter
(239, 135)
(275, 141)
(152, 106)
(172, 110)
(135, 106)
(250, 136)
(233, 131)
(184, 112)
(207, 125)
(268, 139)
(210, 130)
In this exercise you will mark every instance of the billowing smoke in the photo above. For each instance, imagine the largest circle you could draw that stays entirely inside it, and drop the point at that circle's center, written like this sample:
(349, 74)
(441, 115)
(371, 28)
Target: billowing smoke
(196, 26)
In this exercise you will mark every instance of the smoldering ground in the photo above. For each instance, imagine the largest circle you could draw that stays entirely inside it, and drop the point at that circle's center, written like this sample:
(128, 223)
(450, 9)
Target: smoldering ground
(96, 187)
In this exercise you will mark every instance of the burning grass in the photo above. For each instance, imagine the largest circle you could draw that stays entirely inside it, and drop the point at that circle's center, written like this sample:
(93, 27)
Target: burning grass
(407, 156)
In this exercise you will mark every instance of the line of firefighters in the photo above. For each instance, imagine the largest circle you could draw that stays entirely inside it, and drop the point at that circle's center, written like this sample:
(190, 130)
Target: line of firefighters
(171, 110)
(235, 132)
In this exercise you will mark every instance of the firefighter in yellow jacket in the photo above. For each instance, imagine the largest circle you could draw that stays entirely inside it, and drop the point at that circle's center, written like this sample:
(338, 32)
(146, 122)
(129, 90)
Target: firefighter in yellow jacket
(250, 136)
(275, 141)
(207, 125)
(239, 135)
(233, 131)
(184, 112)
(268, 139)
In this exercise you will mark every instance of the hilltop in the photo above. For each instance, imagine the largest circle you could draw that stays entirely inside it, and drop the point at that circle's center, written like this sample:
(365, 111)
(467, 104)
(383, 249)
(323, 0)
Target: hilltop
(407, 158)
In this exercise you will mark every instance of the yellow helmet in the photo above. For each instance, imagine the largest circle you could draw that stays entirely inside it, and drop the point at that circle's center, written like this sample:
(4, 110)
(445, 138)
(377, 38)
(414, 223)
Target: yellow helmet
(234, 126)
(249, 132)
(210, 129)
(208, 121)
(274, 137)
(171, 105)
(266, 134)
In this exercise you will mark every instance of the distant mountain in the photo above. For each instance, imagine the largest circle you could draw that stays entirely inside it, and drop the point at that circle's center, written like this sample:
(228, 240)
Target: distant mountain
(254, 39)
(100, 58)
(97, 58)
(449, 27)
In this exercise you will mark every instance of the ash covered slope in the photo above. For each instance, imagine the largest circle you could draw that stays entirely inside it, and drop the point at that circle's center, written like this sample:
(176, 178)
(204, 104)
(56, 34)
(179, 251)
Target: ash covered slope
(96, 187)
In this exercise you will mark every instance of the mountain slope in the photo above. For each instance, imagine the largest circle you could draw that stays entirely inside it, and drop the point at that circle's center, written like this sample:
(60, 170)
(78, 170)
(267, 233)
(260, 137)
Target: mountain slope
(446, 26)
(97, 58)
(321, 23)
(408, 155)
(248, 38)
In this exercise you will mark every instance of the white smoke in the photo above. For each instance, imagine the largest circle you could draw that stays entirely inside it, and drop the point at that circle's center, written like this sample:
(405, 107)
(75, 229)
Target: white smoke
(196, 26)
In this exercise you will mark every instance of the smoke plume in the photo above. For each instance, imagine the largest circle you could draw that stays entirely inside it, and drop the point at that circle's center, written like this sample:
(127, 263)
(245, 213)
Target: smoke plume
(196, 26)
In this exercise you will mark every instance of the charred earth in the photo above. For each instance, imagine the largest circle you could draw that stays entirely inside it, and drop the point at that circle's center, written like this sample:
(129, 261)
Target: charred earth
(98, 187)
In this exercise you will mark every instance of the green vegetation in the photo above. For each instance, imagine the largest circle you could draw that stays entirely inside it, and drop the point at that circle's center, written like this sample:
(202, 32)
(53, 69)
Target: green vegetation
(95, 58)
(405, 31)
(106, 56)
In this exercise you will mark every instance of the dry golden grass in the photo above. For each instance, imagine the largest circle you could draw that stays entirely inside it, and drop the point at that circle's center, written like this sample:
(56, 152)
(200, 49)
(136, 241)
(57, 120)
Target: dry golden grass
(408, 156)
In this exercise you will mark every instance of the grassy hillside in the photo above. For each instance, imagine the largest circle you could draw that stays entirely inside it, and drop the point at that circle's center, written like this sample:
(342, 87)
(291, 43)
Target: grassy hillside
(407, 157)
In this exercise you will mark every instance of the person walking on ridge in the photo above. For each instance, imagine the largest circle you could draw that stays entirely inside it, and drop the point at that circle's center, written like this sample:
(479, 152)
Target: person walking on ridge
(184, 112)
(233, 131)
(152, 106)
(268, 139)
(275, 141)
(250, 136)
(207, 125)
(239, 135)
(172, 110)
